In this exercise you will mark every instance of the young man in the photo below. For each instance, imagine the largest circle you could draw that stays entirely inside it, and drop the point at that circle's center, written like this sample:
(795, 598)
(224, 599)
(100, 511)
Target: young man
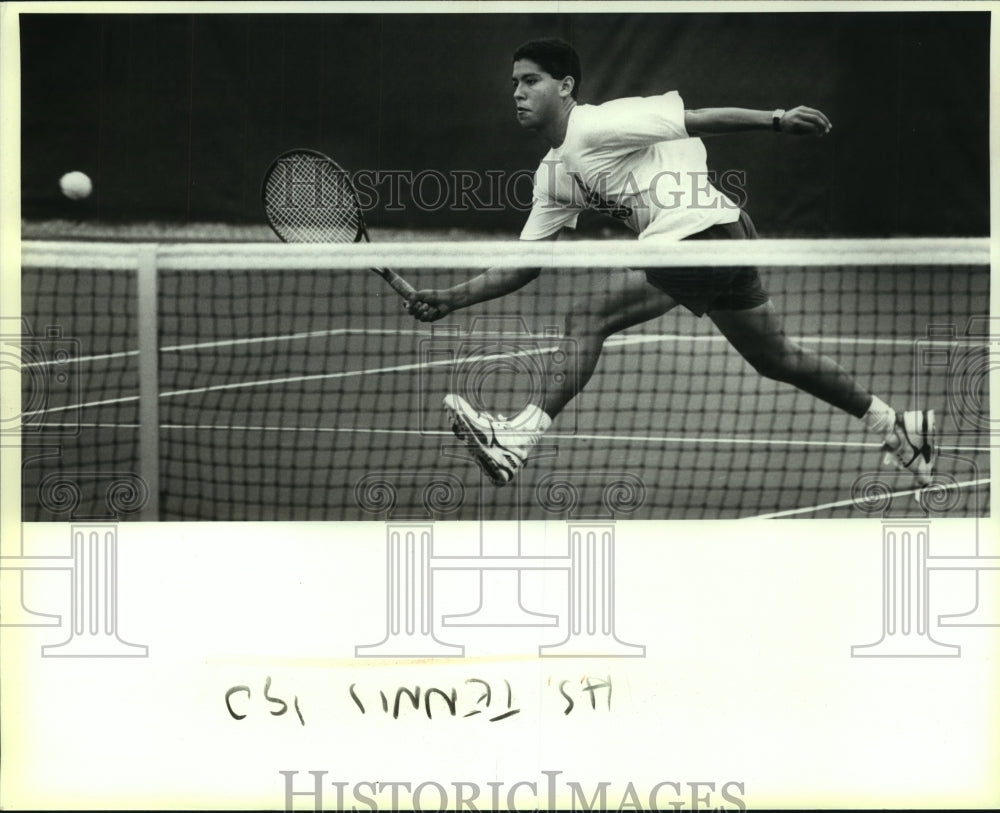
(640, 159)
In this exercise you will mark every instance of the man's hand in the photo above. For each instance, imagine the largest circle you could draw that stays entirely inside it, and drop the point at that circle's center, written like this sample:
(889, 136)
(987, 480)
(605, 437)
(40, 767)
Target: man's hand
(431, 304)
(428, 305)
(805, 121)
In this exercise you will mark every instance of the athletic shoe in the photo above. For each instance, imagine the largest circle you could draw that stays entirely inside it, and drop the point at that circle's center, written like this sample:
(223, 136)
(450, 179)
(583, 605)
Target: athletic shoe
(497, 446)
(909, 444)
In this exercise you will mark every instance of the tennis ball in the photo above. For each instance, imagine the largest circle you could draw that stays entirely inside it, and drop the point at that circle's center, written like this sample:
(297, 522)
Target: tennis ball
(75, 185)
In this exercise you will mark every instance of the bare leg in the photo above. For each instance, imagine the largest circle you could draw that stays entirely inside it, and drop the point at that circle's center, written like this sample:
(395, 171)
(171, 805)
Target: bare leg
(615, 301)
(759, 337)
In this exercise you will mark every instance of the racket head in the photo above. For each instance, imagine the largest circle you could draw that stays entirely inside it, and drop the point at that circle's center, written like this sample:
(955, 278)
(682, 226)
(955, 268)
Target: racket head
(309, 198)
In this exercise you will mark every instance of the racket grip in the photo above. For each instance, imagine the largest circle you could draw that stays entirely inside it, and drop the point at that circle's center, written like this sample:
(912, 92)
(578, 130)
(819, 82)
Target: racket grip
(398, 284)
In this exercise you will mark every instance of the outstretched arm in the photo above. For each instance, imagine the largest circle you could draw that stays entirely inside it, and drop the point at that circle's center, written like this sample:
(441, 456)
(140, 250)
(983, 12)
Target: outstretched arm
(721, 120)
(431, 304)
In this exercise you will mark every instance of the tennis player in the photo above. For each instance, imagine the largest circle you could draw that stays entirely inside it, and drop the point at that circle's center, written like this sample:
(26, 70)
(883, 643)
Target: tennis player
(642, 160)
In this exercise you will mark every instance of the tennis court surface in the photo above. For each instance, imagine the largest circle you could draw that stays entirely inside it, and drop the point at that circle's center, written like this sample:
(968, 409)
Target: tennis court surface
(282, 393)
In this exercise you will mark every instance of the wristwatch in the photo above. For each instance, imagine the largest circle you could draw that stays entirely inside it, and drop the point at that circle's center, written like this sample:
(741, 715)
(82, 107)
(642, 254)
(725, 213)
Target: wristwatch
(776, 120)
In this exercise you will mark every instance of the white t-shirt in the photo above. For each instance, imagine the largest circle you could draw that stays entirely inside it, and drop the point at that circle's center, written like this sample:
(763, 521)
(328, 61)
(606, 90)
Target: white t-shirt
(632, 158)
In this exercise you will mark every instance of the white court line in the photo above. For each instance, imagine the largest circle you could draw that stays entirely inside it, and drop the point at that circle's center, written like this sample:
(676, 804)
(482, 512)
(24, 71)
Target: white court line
(100, 357)
(701, 440)
(613, 341)
(292, 379)
(663, 439)
(196, 427)
(312, 334)
(623, 340)
(289, 337)
(843, 503)
(641, 338)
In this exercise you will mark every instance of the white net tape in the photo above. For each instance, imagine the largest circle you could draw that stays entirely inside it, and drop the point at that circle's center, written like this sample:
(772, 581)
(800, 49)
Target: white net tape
(513, 254)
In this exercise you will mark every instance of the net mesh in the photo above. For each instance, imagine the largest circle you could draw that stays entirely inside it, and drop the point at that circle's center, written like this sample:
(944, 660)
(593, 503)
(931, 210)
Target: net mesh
(282, 387)
(79, 382)
(309, 199)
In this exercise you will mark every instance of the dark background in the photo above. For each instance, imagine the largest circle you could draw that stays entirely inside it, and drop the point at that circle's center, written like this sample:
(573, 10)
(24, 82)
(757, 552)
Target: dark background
(176, 117)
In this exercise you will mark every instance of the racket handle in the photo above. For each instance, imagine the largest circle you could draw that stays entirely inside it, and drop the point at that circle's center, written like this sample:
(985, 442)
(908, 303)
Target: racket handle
(399, 285)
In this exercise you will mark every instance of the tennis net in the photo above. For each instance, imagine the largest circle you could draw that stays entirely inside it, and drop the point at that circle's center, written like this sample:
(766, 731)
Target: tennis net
(270, 382)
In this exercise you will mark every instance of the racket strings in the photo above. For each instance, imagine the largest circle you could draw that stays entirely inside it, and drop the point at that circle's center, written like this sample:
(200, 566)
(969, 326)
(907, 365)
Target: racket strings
(310, 200)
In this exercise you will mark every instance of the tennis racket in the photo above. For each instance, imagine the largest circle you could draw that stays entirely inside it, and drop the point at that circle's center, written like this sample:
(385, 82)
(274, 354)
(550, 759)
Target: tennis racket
(309, 198)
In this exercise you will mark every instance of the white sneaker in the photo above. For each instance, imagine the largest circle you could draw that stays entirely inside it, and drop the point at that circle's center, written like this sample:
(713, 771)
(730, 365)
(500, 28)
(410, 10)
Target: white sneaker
(497, 446)
(909, 444)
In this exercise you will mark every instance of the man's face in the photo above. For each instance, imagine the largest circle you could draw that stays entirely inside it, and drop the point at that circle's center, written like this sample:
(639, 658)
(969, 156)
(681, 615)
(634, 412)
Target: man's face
(537, 95)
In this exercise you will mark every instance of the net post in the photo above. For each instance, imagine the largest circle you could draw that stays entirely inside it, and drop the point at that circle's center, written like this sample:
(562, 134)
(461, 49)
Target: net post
(149, 375)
